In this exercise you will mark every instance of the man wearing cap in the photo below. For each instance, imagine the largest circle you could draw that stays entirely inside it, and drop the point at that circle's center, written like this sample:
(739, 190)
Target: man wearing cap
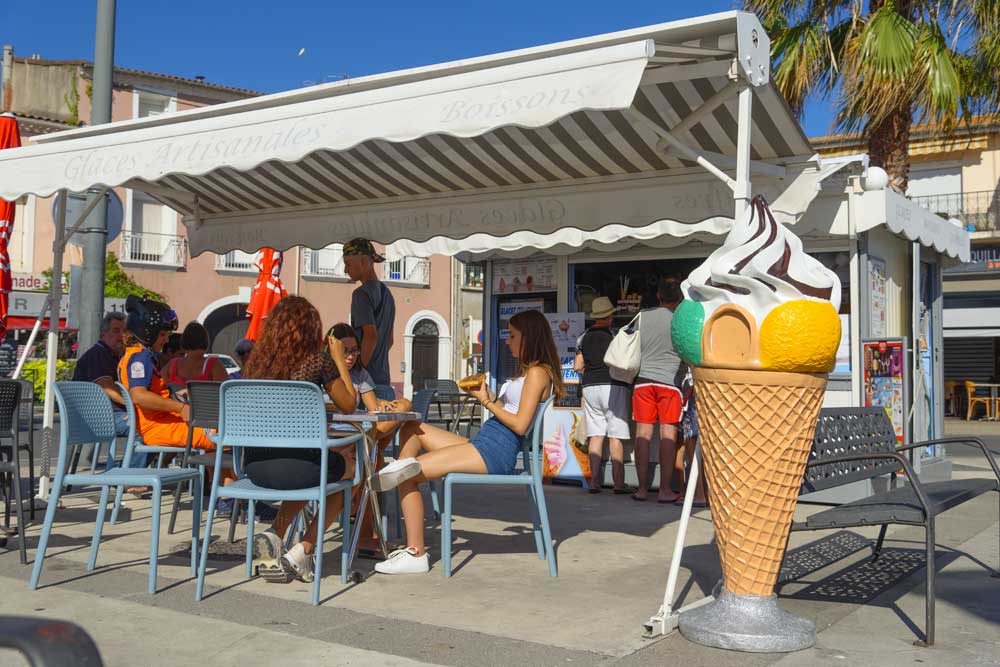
(161, 420)
(373, 313)
(605, 400)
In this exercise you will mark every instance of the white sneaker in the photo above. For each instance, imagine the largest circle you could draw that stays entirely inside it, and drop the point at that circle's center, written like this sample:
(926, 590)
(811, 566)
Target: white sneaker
(404, 561)
(396, 473)
(299, 563)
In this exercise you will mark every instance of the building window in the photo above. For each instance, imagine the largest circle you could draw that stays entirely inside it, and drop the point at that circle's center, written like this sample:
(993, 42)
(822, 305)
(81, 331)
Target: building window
(148, 103)
(150, 234)
(472, 276)
(326, 262)
(21, 239)
(236, 260)
(405, 269)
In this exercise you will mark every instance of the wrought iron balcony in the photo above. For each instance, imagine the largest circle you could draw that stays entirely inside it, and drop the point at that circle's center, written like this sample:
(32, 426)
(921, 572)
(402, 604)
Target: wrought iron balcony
(323, 263)
(236, 260)
(154, 249)
(979, 211)
(413, 270)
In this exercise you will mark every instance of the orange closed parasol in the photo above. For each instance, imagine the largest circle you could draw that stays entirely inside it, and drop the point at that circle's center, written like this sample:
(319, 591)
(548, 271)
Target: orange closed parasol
(266, 292)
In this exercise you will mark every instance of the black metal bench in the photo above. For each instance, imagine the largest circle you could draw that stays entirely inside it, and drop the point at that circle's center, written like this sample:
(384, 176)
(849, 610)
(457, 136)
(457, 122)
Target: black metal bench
(853, 444)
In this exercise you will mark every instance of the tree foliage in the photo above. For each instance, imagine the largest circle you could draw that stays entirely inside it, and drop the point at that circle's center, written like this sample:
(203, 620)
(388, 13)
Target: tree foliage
(888, 64)
(118, 284)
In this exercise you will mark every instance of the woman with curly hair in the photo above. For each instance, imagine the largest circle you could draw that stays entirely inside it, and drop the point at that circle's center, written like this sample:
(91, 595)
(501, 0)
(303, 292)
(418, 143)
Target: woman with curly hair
(494, 449)
(291, 348)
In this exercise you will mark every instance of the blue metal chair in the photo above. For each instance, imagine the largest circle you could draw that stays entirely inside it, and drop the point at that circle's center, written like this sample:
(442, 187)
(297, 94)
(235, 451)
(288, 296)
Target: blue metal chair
(531, 477)
(85, 417)
(277, 414)
(135, 443)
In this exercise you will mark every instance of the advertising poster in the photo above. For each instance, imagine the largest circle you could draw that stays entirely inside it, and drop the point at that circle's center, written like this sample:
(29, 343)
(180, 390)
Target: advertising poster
(520, 276)
(877, 296)
(563, 457)
(885, 380)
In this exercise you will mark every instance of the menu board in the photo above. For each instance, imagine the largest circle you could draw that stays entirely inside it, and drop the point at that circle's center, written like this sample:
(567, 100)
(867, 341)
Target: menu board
(885, 380)
(567, 328)
(520, 276)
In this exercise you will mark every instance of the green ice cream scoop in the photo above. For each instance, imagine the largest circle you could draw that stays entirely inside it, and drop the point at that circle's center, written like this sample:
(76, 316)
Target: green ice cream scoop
(685, 330)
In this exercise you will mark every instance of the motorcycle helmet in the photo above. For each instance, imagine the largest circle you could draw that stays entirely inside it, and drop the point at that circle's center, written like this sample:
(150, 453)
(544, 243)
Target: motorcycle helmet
(147, 318)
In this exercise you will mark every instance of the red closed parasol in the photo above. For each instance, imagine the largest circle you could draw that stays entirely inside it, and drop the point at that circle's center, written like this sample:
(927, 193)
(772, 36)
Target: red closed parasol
(267, 292)
(10, 137)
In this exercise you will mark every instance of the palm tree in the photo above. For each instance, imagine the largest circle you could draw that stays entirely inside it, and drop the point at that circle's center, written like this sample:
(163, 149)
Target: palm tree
(887, 64)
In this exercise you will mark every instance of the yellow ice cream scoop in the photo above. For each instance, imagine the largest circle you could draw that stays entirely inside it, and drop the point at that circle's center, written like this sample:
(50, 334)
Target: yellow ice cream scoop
(800, 336)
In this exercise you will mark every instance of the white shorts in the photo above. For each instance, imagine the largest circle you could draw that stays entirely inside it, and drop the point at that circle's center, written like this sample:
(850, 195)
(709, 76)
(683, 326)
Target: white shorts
(606, 408)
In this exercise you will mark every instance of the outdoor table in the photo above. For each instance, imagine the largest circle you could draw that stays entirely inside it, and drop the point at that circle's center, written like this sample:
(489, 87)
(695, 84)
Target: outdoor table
(457, 403)
(363, 422)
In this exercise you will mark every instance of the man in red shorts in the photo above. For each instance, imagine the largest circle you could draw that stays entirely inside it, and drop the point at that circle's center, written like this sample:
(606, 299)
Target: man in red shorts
(656, 396)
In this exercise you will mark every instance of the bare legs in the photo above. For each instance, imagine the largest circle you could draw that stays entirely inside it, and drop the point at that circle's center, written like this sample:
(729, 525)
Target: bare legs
(595, 445)
(668, 441)
(446, 452)
(290, 508)
(688, 446)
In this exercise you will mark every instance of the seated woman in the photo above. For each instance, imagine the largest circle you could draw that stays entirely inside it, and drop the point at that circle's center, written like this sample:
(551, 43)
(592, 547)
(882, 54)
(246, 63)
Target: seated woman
(191, 366)
(364, 385)
(495, 448)
(291, 348)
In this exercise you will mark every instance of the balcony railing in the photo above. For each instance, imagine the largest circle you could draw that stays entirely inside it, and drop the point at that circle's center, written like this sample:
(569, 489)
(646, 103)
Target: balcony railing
(236, 260)
(979, 211)
(472, 276)
(414, 270)
(323, 263)
(155, 249)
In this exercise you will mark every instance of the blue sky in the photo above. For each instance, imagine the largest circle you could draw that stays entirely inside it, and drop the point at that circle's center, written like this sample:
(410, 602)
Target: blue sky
(255, 44)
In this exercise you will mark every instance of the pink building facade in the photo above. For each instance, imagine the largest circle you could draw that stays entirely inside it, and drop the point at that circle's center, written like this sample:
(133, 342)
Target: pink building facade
(152, 247)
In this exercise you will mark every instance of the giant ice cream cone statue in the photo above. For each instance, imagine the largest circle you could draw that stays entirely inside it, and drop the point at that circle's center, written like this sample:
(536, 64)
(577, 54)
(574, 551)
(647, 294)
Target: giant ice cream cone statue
(759, 326)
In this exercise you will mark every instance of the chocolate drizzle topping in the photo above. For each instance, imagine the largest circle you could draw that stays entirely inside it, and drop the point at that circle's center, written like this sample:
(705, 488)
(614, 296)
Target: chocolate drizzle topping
(780, 268)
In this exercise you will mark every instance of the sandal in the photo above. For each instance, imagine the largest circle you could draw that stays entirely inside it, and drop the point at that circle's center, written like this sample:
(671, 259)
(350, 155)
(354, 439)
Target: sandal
(638, 499)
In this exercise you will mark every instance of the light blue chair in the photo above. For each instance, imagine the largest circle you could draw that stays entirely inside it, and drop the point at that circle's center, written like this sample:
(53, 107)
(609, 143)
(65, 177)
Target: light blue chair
(85, 417)
(286, 415)
(531, 477)
(135, 443)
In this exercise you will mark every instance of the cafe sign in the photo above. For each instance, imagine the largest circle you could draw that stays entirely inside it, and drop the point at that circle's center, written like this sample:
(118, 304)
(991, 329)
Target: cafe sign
(983, 259)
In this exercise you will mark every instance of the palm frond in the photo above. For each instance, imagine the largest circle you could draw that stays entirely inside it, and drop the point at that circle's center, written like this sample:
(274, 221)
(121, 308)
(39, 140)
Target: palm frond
(936, 84)
(887, 44)
(802, 61)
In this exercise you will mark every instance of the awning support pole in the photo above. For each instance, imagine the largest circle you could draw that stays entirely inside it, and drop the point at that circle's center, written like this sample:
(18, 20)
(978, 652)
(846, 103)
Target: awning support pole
(691, 153)
(707, 107)
(742, 192)
(31, 338)
(52, 343)
(666, 619)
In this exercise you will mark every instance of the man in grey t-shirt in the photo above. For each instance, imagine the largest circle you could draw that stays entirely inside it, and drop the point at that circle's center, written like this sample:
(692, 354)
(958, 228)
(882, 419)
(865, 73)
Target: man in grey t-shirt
(373, 313)
(656, 394)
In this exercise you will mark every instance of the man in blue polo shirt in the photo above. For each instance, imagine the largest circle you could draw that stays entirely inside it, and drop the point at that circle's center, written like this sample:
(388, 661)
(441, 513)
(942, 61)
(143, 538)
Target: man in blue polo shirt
(99, 364)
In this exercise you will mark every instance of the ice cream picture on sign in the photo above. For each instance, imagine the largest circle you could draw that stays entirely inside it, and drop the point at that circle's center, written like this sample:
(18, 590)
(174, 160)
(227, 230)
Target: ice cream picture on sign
(760, 329)
(760, 303)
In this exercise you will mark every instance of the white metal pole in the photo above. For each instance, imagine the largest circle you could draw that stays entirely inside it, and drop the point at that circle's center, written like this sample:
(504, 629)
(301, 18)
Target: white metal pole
(743, 192)
(52, 345)
(31, 339)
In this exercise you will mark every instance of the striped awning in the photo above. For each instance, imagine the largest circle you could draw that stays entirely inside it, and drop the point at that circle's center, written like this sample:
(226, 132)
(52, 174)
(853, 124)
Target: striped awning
(450, 150)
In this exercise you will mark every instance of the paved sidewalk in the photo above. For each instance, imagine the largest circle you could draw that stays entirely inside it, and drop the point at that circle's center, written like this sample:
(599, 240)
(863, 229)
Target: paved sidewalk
(501, 607)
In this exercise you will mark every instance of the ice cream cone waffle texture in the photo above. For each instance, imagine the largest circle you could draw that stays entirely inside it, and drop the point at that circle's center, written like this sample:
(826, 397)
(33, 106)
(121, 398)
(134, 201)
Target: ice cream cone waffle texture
(756, 431)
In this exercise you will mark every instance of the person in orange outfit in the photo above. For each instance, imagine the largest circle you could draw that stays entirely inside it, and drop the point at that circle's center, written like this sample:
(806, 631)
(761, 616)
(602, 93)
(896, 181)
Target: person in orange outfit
(161, 420)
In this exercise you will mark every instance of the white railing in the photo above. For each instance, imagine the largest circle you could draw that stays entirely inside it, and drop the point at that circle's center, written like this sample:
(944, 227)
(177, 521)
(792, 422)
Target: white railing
(149, 248)
(323, 263)
(414, 270)
(236, 260)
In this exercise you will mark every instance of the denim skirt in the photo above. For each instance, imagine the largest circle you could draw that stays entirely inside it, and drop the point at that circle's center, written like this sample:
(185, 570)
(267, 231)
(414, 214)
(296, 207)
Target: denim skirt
(498, 446)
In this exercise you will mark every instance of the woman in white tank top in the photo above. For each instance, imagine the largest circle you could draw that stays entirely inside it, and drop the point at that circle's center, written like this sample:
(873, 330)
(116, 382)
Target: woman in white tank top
(494, 449)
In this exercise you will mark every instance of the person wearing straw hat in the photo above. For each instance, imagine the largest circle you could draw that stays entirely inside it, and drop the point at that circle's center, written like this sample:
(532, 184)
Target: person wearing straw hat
(605, 400)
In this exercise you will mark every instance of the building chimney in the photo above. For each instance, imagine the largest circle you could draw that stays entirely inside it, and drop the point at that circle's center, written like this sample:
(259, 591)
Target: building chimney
(7, 74)
(200, 78)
